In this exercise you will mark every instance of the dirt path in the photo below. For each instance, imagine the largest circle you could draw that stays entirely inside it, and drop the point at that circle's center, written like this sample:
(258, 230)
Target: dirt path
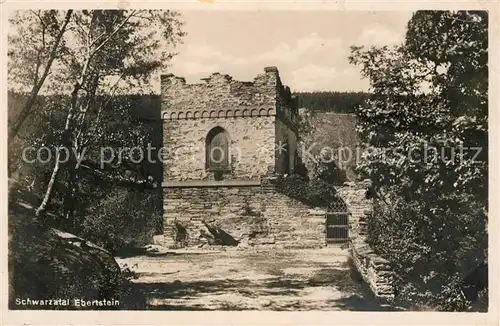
(249, 280)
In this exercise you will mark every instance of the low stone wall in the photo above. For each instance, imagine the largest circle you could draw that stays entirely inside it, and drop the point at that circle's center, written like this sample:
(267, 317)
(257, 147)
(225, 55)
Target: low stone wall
(242, 215)
(375, 270)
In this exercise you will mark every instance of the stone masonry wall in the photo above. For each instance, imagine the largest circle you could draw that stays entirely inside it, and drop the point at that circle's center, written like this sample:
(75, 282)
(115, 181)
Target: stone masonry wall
(241, 208)
(375, 270)
(257, 115)
(285, 135)
(251, 147)
(354, 196)
(239, 215)
(287, 124)
(219, 96)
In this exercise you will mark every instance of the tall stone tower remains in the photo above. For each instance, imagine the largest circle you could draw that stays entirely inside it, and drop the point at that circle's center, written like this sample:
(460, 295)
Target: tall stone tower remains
(223, 139)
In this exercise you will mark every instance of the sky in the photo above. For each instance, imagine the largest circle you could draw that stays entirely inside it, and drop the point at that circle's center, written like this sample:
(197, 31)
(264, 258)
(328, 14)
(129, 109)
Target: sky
(310, 48)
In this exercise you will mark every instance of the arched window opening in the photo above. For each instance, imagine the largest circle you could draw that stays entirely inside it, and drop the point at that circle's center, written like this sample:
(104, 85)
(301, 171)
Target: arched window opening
(217, 150)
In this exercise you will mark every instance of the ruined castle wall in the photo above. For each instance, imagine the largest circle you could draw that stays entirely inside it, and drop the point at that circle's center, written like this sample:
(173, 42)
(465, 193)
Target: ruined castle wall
(240, 207)
(246, 110)
(219, 96)
(286, 128)
(354, 196)
(243, 215)
(251, 147)
(284, 134)
(293, 142)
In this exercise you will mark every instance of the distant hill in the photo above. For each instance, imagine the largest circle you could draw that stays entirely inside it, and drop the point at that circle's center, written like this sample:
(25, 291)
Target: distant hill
(144, 107)
(333, 130)
(340, 102)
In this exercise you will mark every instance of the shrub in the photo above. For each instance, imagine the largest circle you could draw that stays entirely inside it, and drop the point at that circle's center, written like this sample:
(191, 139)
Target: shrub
(316, 192)
(124, 219)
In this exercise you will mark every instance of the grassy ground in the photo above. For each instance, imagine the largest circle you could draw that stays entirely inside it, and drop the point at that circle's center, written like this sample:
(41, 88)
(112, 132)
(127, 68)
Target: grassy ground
(247, 280)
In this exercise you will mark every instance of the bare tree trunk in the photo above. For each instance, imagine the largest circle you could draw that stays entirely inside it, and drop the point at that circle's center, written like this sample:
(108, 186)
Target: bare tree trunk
(66, 138)
(26, 110)
(46, 199)
(69, 201)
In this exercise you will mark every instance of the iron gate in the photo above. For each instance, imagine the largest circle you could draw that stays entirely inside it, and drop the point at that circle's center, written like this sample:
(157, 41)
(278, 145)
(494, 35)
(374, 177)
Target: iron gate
(337, 227)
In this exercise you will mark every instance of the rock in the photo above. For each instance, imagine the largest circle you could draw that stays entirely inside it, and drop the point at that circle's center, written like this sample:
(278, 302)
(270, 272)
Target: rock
(72, 267)
(153, 248)
(159, 240)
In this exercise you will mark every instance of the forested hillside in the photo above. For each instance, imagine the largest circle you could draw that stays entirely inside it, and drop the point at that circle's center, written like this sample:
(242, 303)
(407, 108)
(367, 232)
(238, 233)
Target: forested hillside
(340, 102)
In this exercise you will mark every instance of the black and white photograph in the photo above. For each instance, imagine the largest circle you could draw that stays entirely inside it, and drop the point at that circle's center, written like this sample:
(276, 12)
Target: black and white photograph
(248, 160)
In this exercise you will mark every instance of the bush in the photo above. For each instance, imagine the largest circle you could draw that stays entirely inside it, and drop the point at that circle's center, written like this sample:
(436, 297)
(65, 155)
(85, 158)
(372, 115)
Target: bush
(124, 219)
(330, 173)
(43, 265)
(316, 192)
(430, 254)
(432, 190)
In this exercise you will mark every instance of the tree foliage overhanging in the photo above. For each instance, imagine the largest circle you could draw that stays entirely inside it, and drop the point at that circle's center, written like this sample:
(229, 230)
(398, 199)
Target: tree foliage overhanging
(430, 101)
(92, 57)
(84, 60)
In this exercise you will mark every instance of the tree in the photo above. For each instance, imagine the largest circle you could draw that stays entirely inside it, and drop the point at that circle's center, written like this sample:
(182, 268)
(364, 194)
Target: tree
(425, 129)
(35, 47)
(105, 53)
